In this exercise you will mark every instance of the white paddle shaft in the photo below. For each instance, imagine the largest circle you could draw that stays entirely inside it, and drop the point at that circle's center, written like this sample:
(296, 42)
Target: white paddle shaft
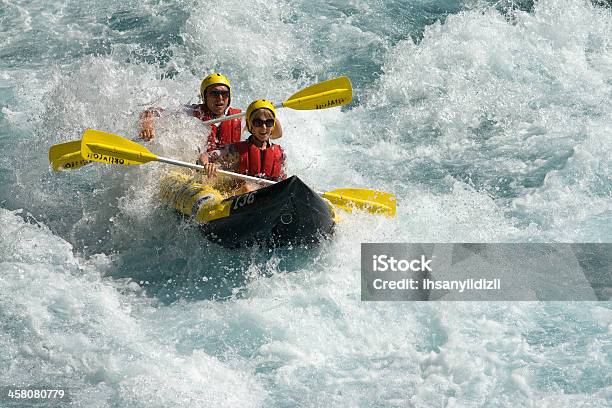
(227, 173)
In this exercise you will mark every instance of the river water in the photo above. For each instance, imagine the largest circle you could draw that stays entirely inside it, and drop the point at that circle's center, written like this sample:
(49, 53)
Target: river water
(490, 121)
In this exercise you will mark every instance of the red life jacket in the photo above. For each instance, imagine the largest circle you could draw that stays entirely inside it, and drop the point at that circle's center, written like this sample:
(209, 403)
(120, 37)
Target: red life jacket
(223, 133)
(251, 162)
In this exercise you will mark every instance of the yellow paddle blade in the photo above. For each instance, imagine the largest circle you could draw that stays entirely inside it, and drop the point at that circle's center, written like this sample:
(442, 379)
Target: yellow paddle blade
(108, 148)
(372, 201)
(326, 94)
(66, 156)
(62, 149)
(69, 161)
(336, 83)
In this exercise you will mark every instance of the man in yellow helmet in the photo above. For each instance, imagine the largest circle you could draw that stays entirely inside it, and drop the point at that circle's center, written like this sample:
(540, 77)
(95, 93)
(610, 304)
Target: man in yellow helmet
(215, 91)
(257, 156)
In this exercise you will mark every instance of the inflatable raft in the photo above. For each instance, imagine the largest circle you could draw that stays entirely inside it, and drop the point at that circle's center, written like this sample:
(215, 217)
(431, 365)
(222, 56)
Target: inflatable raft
(285, 213)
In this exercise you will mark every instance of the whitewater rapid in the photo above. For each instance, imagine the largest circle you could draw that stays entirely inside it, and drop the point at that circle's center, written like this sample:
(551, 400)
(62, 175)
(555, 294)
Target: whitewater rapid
(490, 123)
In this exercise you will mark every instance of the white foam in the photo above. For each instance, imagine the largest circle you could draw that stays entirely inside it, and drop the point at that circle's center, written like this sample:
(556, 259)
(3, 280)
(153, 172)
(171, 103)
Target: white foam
(296, 333)
(75, 326)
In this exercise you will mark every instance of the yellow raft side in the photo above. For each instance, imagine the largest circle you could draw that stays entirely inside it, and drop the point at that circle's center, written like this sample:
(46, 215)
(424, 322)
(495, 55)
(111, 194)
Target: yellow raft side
(192, 198)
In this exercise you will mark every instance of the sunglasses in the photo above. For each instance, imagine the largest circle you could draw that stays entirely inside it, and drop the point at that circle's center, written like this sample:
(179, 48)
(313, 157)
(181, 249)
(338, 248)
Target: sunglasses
(258, 122)
(216, 92)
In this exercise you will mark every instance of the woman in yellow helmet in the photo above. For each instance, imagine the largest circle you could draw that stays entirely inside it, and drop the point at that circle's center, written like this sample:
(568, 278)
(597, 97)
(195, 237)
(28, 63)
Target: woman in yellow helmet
(215, 91)
(257, 156)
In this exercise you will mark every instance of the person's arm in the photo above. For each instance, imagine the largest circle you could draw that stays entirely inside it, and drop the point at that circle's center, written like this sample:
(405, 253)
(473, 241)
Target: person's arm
(207, 156)
(277, 132)
(202, 158)
(210, 169)
(146, 124)
(226, 158)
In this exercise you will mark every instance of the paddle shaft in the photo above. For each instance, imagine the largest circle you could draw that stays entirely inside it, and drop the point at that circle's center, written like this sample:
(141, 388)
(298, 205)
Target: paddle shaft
(227, 173)
(287, 104)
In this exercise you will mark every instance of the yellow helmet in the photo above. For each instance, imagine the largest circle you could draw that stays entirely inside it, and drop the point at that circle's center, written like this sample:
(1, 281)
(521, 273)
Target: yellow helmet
(256, 105)
(215, 79)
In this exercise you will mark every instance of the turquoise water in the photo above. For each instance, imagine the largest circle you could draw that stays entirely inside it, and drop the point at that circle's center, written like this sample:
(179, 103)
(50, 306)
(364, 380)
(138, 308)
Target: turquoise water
(491, 121)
